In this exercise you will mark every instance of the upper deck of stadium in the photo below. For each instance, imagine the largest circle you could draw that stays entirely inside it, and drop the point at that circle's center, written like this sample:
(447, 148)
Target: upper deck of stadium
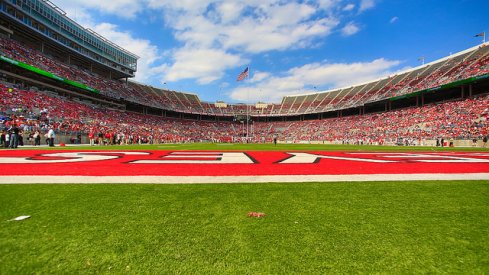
(42, 23)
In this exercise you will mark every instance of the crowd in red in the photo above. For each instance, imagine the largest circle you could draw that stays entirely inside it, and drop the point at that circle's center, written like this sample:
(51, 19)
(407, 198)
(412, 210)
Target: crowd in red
(474, 64)
(464, 119)
(33, 110)
(109, 87)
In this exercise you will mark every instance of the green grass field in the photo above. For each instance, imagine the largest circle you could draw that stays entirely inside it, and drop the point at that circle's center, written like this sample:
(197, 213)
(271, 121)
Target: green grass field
(267, 147)
(400, 227)
(366, 227)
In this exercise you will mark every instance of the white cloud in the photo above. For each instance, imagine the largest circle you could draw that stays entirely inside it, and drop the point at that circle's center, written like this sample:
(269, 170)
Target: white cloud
(330, 75)
(188, 6)
(328, 4)
(394, 19)
(263, 27)
(366, 4)
(217, 35)
(205, 65)
(257, 38)
(349, 7)
(258, 76)
(228, 12)
(148, 52)
(121, 8)
(350, 29)
(239, 28)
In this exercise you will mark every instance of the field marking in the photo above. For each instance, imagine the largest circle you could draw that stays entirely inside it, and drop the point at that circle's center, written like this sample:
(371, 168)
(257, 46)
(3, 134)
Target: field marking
(233, 179)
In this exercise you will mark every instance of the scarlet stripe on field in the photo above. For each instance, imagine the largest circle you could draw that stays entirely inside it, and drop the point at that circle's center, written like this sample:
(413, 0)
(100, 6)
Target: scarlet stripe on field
(169, 165)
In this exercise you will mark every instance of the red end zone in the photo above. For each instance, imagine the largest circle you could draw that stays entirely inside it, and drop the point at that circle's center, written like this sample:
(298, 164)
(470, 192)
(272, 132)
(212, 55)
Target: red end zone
(25, 166)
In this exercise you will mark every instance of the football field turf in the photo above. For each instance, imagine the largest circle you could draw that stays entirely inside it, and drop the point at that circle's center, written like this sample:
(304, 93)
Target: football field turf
(348, 227)
(267, 147)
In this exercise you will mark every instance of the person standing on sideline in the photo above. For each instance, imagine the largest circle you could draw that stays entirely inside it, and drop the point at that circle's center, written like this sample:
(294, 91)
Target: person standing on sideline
(91, 136)
(37, 138)
(7, 139)
(51, 136)
(2, 139)
(14, 136)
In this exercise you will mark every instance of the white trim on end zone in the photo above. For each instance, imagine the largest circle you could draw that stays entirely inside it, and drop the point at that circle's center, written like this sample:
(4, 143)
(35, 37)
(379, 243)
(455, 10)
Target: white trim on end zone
(234, 179)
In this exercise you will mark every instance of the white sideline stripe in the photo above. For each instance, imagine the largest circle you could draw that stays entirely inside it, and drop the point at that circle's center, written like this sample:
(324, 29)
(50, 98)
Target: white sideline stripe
(235, 179)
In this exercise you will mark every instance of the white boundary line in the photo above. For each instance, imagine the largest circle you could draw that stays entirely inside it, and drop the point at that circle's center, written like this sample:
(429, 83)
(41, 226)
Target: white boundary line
(233, 179)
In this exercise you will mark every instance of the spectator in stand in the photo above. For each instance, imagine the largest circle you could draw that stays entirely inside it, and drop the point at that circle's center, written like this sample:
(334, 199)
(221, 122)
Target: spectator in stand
(35, 110)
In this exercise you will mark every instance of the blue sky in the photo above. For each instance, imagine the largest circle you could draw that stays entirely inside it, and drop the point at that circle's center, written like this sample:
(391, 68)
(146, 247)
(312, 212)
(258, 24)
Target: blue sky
(291, 47)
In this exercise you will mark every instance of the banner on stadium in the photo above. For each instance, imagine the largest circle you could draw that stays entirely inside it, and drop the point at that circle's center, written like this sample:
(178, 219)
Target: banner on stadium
(48, 74)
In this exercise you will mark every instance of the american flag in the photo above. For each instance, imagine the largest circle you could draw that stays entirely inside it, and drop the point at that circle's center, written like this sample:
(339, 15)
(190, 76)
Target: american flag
(243, 75)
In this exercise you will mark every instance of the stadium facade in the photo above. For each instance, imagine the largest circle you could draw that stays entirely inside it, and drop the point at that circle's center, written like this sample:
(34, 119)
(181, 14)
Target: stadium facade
(44, 25)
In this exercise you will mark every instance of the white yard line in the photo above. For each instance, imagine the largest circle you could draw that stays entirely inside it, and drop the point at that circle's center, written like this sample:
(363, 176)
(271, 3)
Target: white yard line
(234, 179)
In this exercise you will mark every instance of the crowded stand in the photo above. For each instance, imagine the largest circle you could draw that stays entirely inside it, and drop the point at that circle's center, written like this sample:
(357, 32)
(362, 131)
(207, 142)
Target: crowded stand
(462, 66)
(109, 87)
(31, 111)
(34, 111)
(460, 120)
(467, 64)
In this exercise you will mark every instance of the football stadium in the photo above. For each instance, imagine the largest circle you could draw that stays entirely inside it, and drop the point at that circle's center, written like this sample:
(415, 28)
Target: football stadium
(106, 171)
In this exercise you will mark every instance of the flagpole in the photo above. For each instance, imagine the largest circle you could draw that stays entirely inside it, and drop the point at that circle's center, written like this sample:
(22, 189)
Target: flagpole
(483, 34)
(242, 76)
(248, 108)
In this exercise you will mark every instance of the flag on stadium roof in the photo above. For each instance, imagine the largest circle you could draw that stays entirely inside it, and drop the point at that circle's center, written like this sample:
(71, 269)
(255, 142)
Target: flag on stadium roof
(480, 34)
(243, 75)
